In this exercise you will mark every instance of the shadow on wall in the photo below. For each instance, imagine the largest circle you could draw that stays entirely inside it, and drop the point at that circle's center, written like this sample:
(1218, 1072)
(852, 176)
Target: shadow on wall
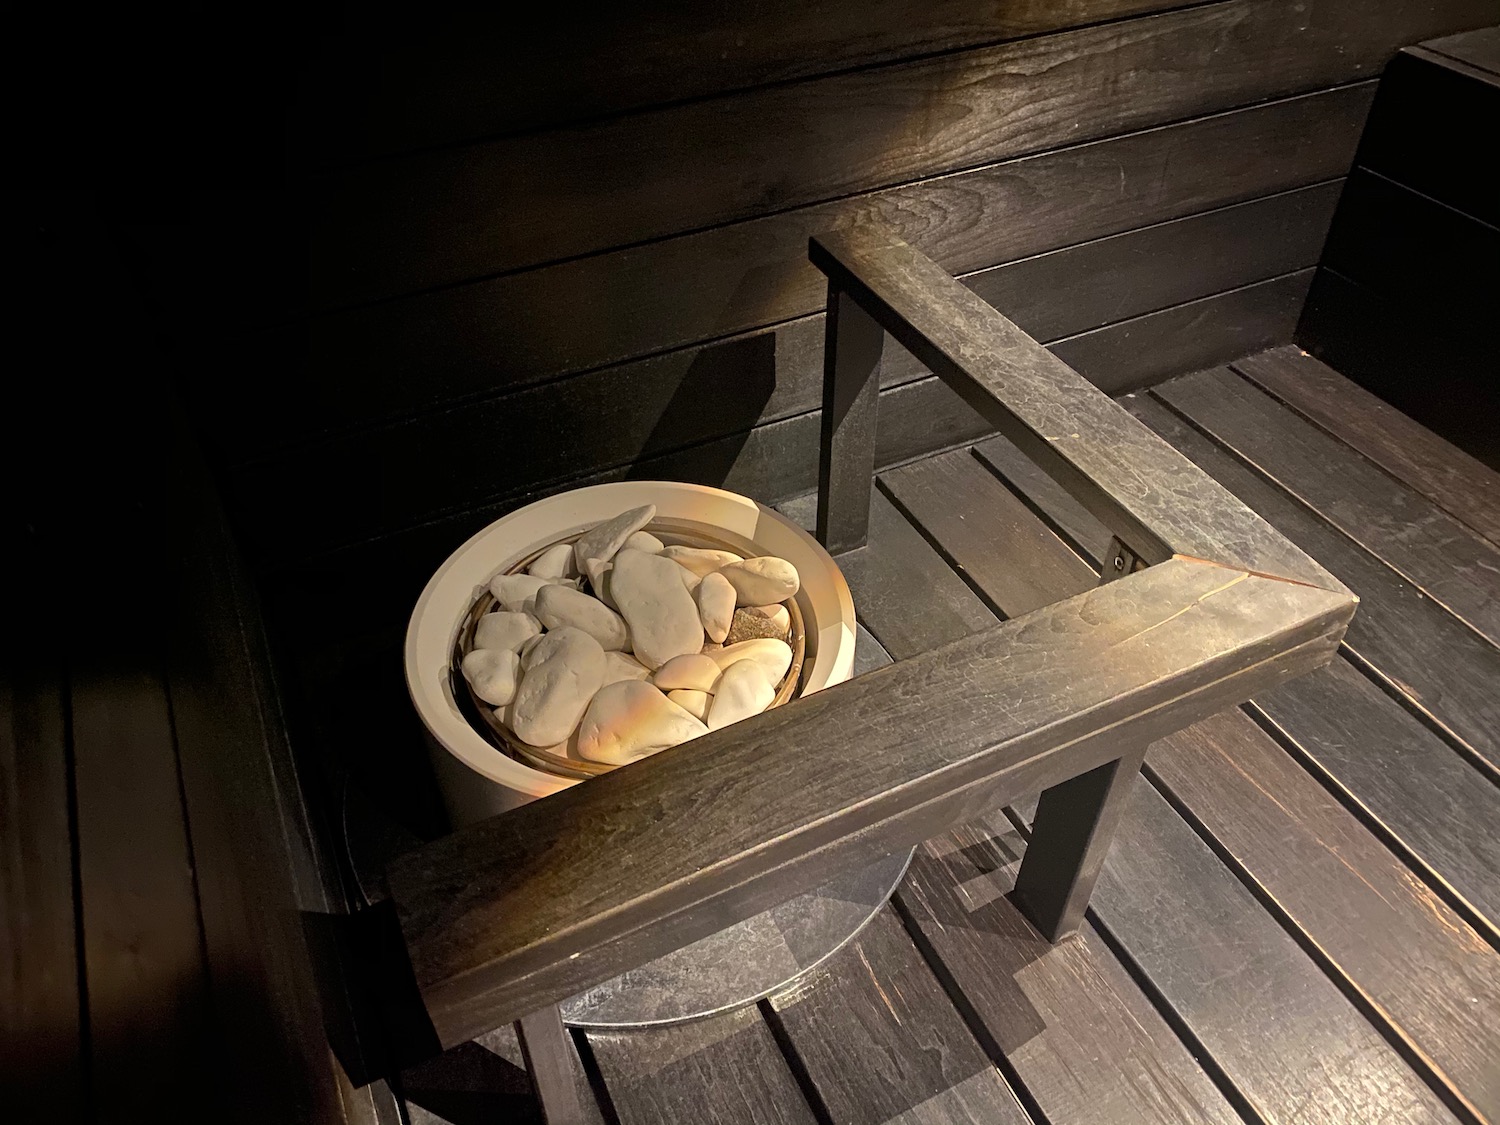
(725, 389)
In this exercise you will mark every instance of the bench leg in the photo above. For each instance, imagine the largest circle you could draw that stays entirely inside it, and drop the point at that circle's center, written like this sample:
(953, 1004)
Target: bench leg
(852, 345)
(1070, 836)
(549, 1062)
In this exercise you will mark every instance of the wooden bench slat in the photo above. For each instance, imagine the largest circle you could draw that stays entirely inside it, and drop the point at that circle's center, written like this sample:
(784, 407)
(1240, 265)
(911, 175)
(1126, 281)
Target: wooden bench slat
(1407, 781)
(1462, 486)
(1454, 566)
(1042, 1006)
(1415, 964)
(1354, 901)
(725, 1068)
(1009, 556)
(1429, 803)
(1442, 668)
(879, 1039)
(1247, 983)
(887, 575)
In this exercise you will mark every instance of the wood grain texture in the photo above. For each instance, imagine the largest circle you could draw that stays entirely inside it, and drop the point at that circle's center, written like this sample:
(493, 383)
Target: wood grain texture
(484, 1080)
(726, 1070)
(1455, 567)
(1412, 962)
(509, 331)
(1189, 337)
(187, 1022)
(1068, 519)
(1036, 1005)
(1154, 499)
(256, 852)
(884, 574)
(1010, 558)
(649, 407)
(1230, 972)
(1064, 292)
(451, 216)
(880, 1041)
(1042, 1006)
(1442, 668)
(379, 89)
(148, 1006)
(288, 516)
(1399, 776)
(937, 749)
(1463, 487)
(42, 1049)
(1051, 295)
(1326, 906)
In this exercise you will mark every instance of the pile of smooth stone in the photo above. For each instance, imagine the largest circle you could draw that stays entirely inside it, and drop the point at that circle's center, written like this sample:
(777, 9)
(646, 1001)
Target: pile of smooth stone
(617, 646)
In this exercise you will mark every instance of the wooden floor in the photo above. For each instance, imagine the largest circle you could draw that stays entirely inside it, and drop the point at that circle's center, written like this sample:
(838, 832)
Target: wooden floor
(1299, 921)
(1300, 918)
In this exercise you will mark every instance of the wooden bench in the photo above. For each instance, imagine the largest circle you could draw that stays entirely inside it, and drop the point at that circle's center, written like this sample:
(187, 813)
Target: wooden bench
(1203, 605)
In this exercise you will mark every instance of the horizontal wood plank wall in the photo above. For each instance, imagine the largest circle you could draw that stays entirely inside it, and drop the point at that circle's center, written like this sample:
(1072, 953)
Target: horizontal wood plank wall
(1408, 284)
(389, 91)
(447, 217)
(500, 294)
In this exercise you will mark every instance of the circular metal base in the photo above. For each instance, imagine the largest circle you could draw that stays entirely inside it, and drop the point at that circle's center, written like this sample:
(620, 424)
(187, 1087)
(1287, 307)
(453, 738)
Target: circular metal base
(726, 970)
(744, 963)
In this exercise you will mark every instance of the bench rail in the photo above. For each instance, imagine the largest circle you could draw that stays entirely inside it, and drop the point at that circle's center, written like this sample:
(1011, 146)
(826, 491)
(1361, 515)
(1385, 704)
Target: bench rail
(1212, 605)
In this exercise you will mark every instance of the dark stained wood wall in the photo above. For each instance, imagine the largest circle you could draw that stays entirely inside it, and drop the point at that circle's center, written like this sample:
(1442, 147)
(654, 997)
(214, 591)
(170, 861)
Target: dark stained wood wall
(515, 258)
(1408, 283)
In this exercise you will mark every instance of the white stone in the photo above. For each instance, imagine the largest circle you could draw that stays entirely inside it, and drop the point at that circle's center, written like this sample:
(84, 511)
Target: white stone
(773, 657)
(621, 666)
(598, 573)
(565, 670)
(492, 674)
(763, 580)
(644, 541)
(555, 562)
(692, 671)
(743, 691)
(505, 630)
(630, 720)
(700, 560)
(603, 540)
(517, 592)
(695, 703)
(558, 607)
(716, 599)
(527, 648)
(662, 616)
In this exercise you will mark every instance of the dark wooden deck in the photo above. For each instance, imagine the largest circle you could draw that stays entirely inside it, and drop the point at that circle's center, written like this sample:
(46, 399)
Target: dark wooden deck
(1299, 921)
(1301, 915)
